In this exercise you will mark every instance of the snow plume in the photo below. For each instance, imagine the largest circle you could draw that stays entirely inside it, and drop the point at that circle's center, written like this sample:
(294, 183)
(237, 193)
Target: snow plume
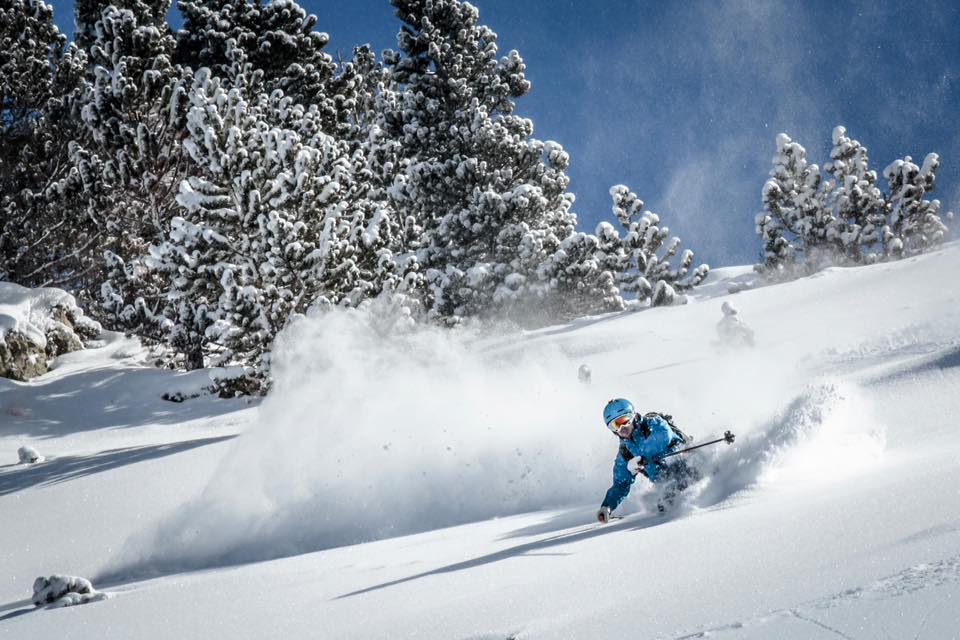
(375, 429)
(827, 433)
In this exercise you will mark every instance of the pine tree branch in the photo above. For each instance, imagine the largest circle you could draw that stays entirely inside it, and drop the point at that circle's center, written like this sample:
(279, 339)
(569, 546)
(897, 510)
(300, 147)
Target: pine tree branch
(73, 254)
(58, 281)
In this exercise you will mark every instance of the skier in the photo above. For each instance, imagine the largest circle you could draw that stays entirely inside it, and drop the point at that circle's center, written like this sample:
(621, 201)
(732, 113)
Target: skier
(643, 438)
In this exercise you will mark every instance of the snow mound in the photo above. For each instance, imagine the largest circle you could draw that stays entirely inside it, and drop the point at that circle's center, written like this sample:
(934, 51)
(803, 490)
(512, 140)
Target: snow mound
(584, 374)
(36, 313)
(29, 455)
(64, 591)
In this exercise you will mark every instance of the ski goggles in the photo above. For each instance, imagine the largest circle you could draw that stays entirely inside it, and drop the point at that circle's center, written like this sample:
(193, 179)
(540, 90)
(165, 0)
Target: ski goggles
(615, 424)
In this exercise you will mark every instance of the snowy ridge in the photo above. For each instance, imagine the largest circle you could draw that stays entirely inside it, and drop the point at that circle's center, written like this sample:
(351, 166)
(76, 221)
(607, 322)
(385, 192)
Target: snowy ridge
(442, 485)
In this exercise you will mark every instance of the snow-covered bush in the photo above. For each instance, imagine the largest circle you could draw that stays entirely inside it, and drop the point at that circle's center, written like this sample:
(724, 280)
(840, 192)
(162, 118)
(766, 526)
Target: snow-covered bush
(29, 455)
(808, 222)
(64, 591)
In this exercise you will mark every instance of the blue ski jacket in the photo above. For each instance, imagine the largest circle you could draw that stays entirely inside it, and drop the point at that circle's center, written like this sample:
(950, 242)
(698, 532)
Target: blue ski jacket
(651, 437)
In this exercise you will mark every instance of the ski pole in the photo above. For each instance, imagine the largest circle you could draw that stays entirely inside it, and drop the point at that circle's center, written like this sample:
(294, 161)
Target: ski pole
(728, 437)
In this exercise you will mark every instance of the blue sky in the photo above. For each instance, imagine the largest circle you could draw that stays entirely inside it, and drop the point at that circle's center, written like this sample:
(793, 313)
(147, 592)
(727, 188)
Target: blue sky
(682, 101)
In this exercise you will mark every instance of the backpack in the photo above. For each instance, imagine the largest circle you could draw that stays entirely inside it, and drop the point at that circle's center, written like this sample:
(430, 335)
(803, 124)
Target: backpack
(669, 418)
(645, 430)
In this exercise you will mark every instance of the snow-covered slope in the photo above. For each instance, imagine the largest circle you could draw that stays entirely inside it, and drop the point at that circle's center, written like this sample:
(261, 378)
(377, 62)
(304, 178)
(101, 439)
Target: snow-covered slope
(415, 484)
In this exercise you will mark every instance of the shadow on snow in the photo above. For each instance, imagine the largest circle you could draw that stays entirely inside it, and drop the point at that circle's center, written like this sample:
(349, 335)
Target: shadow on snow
(56, 470)
(534, 548)
(112, 398)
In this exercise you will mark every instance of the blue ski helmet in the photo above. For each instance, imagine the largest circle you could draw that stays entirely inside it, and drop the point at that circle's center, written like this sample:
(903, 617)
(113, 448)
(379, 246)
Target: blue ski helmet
(616, 408)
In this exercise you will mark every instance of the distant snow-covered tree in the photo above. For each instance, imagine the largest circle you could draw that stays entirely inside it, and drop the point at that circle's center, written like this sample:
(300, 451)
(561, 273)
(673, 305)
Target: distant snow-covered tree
(580, 280)
(643, 259)
(795, 221)
(915, 222)
(856, 200)
(808, 223)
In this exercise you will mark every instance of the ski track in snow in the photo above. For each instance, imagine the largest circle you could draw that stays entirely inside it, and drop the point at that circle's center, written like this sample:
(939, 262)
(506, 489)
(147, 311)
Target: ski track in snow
(889, 351)
(910, 580)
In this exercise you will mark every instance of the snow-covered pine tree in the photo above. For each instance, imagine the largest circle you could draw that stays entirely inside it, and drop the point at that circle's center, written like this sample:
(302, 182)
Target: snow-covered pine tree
(277, 38)
(915, 222)
(858, 204)
(31, 47)
(38, 75)
(87, 13)
(127, 158)
(264, 230)
(362, 93)
(580, 279)
(795, 217)
(847, 220)
(642, 259)
(490, 198)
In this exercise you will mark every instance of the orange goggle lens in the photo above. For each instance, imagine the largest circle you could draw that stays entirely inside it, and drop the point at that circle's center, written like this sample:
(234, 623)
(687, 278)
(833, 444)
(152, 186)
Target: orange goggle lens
(616, 423)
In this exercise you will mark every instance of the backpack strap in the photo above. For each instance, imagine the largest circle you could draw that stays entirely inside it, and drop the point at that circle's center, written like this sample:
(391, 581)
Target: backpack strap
(641, 423)
(669, 418)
